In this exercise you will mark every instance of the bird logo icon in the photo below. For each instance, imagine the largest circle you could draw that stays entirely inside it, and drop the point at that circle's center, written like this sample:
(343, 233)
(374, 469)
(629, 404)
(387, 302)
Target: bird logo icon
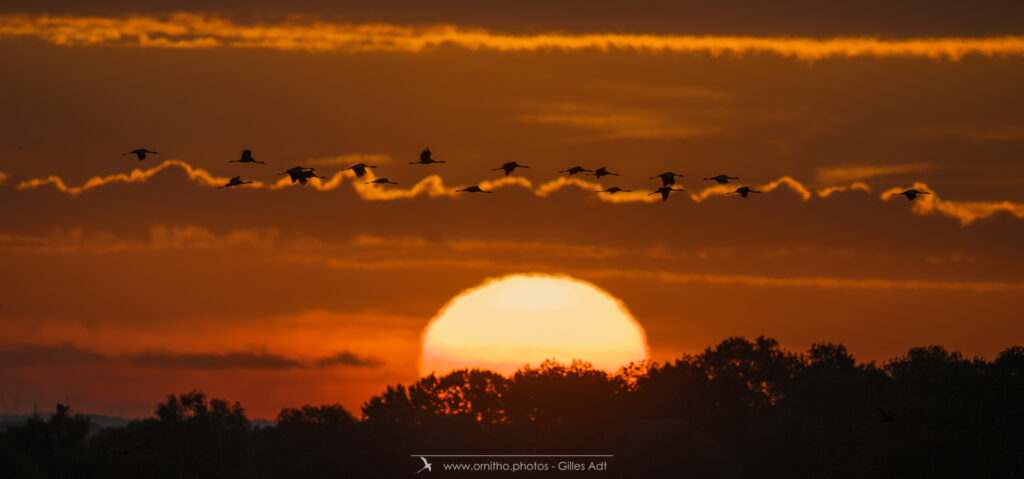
(426, 465)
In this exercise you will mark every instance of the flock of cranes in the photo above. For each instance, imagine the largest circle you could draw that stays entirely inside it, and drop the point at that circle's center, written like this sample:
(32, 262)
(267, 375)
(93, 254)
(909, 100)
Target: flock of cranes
(302, 174)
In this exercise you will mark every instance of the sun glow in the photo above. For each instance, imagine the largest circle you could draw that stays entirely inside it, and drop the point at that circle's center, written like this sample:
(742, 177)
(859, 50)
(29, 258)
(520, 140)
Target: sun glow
(521, 319)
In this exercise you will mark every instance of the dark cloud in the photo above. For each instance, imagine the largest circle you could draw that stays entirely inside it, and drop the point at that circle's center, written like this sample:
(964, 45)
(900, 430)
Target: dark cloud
(45, 355)
(48, 355)
(233, 360)
(346, 358)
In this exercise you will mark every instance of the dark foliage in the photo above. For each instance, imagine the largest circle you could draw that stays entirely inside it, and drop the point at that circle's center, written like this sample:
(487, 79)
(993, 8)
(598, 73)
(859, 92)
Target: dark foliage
(740, 409)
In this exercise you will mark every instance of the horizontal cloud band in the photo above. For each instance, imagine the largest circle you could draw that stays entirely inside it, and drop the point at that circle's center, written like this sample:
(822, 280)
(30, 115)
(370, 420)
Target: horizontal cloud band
(37, 354)
(433, 185)
(195, 31)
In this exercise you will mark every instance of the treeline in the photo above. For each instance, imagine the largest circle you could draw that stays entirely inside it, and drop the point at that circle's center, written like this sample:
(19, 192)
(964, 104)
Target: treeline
(740, 409)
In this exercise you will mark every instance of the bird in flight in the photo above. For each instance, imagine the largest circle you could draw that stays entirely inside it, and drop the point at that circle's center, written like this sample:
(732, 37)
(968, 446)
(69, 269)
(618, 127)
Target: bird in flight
(743, 191)
(509, 167)
(426, 465)
(602, 171)
(722, 179)
(911, 194)
(301, 174)
(668, 178)
(246, 158)
(575, 170)
(381, 181)
(425, 158)
(234, 181)
(140, 152)
(665, 190)
(473, 189)
(360, 169)
(613, 190)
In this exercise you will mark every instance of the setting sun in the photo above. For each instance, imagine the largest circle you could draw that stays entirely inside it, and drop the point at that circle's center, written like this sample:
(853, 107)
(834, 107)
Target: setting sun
(516, 320)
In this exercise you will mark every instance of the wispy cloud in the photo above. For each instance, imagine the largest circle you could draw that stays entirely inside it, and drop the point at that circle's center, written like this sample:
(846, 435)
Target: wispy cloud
(965, 211)
(347, 358)
(232, 360)
(198, 175)
(664, 276)
(434, 186)
(834, 283)
(856, 185)
(41, 355)
(192, 31)
(28, 355)
(349, 160)
(616, 123)
(846, 174)
(160, 237)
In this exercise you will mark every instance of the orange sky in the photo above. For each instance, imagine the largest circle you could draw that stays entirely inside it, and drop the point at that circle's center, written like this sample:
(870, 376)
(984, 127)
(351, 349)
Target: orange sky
(119, 287)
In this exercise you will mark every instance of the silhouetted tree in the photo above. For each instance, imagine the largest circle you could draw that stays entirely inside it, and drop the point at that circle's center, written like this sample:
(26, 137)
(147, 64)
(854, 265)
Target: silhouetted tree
(739, 409)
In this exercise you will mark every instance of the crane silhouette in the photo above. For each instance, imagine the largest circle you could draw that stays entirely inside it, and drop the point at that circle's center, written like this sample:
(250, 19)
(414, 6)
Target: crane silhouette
(360, 169)
(602, 171)
(668, 178)
(425, 158)
(576, 169)
(722, 179)
(246, 158)
(140, 152)
(911, 194)
(301, 174)
(665, 191)
(744, 191)
(473, 189)
(381, 181)
(613, 190)
(510, 167)
(234, 181)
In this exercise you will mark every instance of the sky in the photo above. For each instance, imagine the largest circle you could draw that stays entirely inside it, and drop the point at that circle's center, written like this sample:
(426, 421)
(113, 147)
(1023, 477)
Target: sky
(122, 281)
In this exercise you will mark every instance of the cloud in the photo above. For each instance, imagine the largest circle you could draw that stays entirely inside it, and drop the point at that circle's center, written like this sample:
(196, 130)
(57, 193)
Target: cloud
(28, 355)
(198, 175)
(349, 160)
(434, 186)
(3, 177)
(856, 185)
(346, 358)
(832, 176)
(966, 211)
(829, 283)
(660, 276)
(593, 187)
(160, 238)
(234, 360)
(616, 123)
(196, 31)
(43, 355)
